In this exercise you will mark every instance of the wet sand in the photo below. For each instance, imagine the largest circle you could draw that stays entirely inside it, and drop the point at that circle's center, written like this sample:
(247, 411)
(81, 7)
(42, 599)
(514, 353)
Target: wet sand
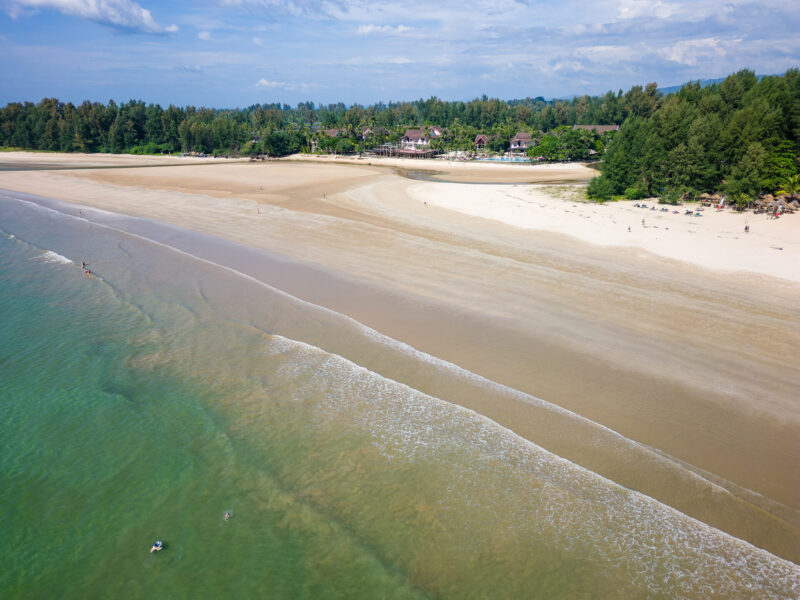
(694, 362)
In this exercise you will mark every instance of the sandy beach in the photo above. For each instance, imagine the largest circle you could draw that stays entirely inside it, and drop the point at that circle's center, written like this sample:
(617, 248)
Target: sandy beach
(679, 332)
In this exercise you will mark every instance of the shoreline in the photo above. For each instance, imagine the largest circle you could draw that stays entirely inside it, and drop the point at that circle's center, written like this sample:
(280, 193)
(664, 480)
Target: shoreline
(687, 361)
(599, 450)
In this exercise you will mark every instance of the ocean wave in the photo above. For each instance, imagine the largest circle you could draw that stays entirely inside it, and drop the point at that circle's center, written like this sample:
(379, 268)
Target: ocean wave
(651, 546)
(54, 257)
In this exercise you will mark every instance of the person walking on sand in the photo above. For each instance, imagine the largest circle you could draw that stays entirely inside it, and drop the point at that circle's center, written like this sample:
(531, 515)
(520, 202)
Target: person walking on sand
(643, 225)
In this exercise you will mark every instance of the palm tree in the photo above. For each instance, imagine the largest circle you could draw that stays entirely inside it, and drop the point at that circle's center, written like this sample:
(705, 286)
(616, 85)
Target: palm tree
(790, 187)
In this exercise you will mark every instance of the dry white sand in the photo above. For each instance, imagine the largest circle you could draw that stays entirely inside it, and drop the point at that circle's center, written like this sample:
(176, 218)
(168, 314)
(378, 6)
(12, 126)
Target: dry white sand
(715, 239)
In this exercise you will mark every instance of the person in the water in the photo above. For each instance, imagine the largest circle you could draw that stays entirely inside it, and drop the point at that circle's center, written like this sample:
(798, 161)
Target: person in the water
(158, 545)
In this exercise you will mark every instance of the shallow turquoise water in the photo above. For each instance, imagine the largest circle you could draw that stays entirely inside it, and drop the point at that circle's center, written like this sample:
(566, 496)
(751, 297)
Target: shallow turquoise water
(101, 457)
(145, 401)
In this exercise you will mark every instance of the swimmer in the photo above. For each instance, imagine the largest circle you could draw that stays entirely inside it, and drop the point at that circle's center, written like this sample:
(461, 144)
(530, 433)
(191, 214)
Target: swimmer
(158, 546)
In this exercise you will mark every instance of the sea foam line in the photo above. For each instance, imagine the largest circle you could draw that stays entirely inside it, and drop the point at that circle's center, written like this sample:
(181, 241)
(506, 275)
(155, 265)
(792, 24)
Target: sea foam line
(648, 536)
(54, 257)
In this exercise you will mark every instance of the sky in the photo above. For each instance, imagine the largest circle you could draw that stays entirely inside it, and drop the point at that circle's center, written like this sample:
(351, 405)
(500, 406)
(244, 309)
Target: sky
(235, 53)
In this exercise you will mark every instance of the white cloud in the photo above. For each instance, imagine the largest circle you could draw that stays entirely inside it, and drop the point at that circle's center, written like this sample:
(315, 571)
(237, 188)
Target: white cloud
(630, 9)
(282, 85)
(609, 54)
(377, 60)
(687, 52)
(306, 8)
(119, 13)
(204, 35)
(388, 29)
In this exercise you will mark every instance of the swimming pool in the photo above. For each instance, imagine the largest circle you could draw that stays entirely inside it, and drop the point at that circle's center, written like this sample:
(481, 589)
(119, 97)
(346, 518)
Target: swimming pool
(511, 159)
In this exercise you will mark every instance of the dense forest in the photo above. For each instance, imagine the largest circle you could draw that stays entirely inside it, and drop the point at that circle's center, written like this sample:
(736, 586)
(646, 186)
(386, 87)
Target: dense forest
(740, 136)
(136, 127)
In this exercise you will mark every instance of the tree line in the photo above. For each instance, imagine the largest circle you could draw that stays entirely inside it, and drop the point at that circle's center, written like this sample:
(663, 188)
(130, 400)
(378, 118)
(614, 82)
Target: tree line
(275, 129)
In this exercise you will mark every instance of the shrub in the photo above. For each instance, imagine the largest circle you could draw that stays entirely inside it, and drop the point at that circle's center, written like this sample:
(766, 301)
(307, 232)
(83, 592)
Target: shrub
(600, 188)
(634, 193)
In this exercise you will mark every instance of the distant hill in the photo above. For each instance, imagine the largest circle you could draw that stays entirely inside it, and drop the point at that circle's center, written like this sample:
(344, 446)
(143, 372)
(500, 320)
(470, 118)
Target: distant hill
(703, 83)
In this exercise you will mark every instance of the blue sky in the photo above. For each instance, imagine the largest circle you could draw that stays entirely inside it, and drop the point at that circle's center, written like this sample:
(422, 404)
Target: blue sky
(229, 53)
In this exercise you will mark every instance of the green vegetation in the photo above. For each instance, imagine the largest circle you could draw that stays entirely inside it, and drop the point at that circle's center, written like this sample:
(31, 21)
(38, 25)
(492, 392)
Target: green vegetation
(567, 144)
(739, 137)
(276, 129)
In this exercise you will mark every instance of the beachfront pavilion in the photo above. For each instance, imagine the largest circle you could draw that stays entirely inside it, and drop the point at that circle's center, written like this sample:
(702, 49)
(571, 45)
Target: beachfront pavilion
(401, 151)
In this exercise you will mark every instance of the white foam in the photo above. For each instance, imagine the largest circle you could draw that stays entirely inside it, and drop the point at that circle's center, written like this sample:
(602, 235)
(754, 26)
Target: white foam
(660, 549)
(54, 257)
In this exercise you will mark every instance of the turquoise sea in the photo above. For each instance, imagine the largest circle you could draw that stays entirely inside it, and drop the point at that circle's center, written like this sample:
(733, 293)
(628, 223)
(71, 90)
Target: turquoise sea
(148, 399)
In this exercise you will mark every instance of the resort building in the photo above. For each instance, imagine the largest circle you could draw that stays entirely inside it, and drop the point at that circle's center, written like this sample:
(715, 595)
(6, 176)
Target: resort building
(597, 128)
(520, 142)
(480, 141)
(415, 138)
(377, 131)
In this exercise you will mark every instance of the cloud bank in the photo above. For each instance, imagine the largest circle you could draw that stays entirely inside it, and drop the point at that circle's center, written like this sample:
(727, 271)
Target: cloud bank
(117, 13)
